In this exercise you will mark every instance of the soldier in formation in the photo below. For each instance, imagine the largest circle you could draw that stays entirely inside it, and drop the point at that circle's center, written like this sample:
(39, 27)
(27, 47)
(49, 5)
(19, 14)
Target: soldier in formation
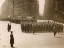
(40, 27)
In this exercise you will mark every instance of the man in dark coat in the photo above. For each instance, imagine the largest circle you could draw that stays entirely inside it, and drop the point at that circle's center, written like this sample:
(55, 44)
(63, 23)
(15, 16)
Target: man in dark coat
(9, 27)
(11, 39)
(55, 29)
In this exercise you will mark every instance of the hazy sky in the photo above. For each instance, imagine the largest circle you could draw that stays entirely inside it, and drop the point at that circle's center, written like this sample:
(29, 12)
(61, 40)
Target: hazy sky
(41, 6)
(1, 1)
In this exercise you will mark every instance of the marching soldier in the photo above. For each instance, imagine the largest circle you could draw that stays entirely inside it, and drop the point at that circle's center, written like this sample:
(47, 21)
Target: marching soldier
(55, 29)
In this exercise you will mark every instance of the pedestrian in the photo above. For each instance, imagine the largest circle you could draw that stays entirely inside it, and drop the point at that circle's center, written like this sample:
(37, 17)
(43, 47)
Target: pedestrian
(11, 39)
(9, 27)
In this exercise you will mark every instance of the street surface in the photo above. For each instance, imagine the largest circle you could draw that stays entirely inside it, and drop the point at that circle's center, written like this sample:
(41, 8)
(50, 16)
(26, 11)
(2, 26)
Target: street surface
(29, 40)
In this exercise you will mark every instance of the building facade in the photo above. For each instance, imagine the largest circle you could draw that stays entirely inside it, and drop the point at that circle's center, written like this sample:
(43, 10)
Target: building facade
(54, 10)
(21, 8)
(49, 9)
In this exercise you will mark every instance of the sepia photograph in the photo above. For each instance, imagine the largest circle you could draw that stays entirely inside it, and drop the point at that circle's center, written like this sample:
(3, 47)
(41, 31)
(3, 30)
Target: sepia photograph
(31, 24)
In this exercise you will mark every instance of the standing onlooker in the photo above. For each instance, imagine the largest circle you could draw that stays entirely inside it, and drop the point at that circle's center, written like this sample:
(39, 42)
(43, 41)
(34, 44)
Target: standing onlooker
(9, 27)
(11, 39)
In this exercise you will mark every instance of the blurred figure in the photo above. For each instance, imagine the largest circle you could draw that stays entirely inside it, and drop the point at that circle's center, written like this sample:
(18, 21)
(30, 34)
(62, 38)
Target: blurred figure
(55, 29)
(9, 27)
(11, 39)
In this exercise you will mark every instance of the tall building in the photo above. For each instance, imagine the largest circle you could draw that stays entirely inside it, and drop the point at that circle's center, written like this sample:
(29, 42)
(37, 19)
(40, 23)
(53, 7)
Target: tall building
(22, 8)
(49, 9)
(59, 10)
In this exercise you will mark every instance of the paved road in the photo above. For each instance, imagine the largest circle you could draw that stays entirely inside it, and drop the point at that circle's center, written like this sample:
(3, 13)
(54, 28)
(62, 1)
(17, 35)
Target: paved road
(29, 40)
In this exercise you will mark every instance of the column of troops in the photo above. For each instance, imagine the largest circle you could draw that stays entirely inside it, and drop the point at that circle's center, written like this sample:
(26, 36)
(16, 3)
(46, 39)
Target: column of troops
(29, 27)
